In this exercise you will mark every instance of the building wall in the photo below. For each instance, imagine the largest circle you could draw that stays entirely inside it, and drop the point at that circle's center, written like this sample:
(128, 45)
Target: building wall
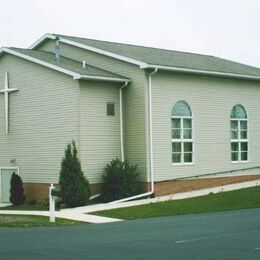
(99, 133)
(42, 119)
(211, 100)
(135, 100)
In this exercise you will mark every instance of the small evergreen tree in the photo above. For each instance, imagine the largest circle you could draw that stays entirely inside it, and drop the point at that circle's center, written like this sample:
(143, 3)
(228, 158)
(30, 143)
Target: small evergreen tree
(120, 180)
(16, 191)
(74, 187)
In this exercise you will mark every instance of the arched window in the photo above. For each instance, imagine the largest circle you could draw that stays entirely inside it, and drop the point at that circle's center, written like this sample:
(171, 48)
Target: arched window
(239, 134)
(182, 136)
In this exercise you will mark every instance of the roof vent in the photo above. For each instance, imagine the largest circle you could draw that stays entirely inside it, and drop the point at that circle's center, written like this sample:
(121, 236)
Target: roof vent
(57, 50)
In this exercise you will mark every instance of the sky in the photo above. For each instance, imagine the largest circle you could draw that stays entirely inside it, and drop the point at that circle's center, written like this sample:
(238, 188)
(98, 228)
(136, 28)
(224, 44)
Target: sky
(228, 29)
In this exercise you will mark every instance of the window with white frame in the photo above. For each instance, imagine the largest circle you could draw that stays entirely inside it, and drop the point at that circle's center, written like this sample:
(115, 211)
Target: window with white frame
(239, 134)
(182, 136)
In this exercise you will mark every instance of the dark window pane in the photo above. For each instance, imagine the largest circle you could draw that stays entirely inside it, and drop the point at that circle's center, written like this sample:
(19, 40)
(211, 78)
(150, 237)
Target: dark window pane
(176, 147)
(187, 134)
(244, 146)
(244, 156)
(187, 123)
(234, 156)
(176, 133)
(234, 124)
(234, 147)
(243, 125)
(243, 134)
(181, 108)
(110, 109)
(176, 123)
(187, 147)
(187, 157)
(238, 112)
(176, 157)
(234, 134)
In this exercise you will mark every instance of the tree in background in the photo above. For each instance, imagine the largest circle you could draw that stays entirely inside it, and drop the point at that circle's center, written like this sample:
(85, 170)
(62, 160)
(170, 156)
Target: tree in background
(74, 187)
(17, 196)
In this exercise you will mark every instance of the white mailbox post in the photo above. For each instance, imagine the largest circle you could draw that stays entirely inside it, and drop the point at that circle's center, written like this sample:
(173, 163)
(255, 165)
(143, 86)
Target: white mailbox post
(52, 198)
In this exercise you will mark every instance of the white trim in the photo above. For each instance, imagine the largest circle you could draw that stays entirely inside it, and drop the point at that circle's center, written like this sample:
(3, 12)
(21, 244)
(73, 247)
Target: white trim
(101, 78)
(106, 53)
(202, 72)
(121, 121)
(42, 39)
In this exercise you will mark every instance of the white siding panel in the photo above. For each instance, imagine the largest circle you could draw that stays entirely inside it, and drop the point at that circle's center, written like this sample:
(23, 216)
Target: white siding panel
(135, 99)
(43, 119)
(211, 101)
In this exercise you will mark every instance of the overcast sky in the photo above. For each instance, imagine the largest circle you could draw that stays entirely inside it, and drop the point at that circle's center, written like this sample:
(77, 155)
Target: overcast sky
(225, 28)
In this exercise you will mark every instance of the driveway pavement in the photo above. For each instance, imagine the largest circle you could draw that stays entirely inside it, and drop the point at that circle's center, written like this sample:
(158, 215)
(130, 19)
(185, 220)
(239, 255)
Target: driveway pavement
(222, 235)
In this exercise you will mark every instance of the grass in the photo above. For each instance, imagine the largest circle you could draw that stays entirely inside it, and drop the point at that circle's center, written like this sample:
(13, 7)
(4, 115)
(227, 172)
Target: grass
(32, 221)
(232, 200)
(27, 207)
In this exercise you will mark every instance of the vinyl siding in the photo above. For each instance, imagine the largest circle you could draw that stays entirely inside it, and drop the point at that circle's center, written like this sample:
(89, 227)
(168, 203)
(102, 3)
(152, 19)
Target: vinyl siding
(42, 118)
(211, 101)
(135, 101)
(99, 133)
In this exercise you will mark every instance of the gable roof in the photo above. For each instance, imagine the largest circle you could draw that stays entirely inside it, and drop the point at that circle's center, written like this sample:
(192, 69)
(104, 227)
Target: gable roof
(148, 57)
(65, 65)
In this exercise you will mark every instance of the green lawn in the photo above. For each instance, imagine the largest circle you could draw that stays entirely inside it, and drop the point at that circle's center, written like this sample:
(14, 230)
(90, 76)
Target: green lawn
(239, 199)
(27, 207)
(32, 221)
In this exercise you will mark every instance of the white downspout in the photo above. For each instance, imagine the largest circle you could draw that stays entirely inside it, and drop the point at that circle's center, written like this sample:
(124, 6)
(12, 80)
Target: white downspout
(151, 145)
(122, 122)
(151, 127)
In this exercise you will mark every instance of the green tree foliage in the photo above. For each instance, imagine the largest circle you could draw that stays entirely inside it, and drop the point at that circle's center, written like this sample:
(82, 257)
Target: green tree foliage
(17, 196)
(120, 180)
(74, 187)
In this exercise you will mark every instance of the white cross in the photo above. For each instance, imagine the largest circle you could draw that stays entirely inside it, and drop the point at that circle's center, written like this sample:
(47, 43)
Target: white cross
(6, 92)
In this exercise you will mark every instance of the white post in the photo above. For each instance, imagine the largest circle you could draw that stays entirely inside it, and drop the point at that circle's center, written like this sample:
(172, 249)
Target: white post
(52, 204)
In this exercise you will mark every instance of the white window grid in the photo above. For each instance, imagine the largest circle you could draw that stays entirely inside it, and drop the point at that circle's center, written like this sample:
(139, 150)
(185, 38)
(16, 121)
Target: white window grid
(239, 140)
(183, 140)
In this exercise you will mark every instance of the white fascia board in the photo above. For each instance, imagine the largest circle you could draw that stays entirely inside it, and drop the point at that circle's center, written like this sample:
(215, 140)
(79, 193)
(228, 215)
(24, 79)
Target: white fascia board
(42, 39)
(101, 78)
(202, 72)
(106, 53)
(43, 63)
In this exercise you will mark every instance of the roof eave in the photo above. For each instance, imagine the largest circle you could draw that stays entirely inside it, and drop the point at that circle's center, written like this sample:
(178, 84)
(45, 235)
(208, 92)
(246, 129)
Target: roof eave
(202, 72)
(62, 70)
(87, 47)
(101, 78)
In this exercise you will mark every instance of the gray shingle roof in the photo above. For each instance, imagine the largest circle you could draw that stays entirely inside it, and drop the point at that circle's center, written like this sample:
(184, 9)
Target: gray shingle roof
(154, 56)
(68, 64)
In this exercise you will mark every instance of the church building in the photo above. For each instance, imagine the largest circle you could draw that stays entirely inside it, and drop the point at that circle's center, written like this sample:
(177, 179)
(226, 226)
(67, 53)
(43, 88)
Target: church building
(189, 121)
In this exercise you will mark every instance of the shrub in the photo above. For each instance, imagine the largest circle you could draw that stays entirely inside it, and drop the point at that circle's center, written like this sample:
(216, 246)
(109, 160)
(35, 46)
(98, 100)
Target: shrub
(120, 180)
(16, 191)
(74, 187)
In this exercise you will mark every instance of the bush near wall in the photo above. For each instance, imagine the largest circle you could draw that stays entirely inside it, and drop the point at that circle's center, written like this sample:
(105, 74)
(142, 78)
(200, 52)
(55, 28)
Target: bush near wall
(74, 187)
(120, 180)
(17, 196)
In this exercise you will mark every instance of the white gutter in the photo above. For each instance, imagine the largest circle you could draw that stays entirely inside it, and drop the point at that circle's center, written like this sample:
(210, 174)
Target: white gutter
(151, 146)
(201, 72)
(78, 76)
(121, 122)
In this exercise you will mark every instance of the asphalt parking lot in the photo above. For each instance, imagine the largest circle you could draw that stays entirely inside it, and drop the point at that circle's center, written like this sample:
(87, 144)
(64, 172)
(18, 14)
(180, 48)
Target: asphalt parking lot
(222, 235)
